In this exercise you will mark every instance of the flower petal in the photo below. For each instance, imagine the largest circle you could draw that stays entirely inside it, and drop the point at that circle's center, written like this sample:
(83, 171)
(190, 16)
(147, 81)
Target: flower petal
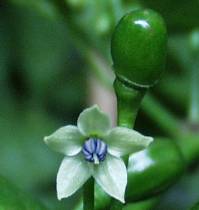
(122, 141)
(67, 140)
(111, 175)
(72, 174)
(93, 122)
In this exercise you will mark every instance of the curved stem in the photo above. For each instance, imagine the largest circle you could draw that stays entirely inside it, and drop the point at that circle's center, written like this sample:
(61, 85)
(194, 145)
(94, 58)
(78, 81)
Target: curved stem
(97, 63)
(88, 195)
(128, 103)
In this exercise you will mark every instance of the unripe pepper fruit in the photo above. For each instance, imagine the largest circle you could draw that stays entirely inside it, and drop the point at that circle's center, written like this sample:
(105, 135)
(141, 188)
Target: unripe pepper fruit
(138, 48)
(138, 51)
(154, 169)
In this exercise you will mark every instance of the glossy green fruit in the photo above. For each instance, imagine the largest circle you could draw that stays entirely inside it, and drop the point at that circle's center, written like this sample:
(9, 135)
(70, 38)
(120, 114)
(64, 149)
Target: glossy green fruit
(154, 169)
(138, 48)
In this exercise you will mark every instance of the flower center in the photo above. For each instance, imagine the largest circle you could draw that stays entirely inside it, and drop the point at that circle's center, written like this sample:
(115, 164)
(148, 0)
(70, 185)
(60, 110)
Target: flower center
(94, 150)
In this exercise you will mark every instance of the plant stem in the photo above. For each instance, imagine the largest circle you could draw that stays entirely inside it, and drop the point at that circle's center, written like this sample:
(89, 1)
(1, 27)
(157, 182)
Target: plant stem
(128, 103)
(194, 94)
(88, 195)
(127, 112)
(97, 64)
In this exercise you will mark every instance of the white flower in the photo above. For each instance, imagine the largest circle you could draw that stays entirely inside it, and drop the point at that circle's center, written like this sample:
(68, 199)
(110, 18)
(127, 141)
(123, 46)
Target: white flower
(92, 148)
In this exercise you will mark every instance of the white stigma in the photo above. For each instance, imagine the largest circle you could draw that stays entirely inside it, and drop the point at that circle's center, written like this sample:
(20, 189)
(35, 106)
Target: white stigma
(96, 160)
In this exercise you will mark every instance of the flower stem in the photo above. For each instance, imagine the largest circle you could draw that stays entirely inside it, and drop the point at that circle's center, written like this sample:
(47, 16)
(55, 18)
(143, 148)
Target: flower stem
(88, 195)
(128, 103)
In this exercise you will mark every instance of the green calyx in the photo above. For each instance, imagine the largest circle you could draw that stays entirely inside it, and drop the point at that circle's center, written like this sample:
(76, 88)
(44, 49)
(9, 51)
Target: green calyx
(138, 48)
(128, 102)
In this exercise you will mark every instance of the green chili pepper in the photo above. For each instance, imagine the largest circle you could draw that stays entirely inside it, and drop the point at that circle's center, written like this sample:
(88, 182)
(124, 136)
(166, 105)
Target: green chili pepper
(138, 51)
(154, 169)
(138, 48)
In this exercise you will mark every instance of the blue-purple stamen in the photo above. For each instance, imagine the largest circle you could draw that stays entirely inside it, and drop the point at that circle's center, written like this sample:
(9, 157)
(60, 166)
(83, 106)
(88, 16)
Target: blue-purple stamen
(94, 150)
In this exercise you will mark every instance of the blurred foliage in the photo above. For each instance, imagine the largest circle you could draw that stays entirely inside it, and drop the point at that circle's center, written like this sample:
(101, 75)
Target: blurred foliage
(47, 48)
(38, 74)
(180, 16)
(12, 198)
(195, 207)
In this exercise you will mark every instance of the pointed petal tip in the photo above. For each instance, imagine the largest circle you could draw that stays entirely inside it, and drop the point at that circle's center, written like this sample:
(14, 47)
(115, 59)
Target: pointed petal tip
(95, 106)
(46, 139)
(120, 198)
(114, 186)
(68, 179)
(59, 196)
(150, 140)
(93, 121)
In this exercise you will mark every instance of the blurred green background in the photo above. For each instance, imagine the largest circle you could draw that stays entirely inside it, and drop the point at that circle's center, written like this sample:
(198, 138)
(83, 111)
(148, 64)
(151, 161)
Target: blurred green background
(49, 50)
